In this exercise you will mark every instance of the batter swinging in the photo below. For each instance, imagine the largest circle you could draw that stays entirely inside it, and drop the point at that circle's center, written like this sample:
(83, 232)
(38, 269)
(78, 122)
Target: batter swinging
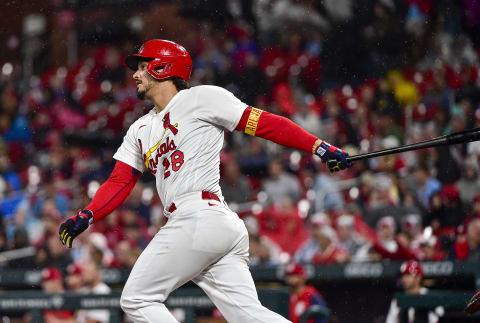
(179, 141)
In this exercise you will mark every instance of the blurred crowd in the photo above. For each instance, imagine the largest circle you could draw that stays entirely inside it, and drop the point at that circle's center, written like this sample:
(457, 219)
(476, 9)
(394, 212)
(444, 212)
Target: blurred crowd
(386, 74)
(85, 279)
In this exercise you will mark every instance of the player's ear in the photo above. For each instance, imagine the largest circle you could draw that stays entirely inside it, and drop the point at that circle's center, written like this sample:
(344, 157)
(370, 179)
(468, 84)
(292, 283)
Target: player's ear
(160, 68)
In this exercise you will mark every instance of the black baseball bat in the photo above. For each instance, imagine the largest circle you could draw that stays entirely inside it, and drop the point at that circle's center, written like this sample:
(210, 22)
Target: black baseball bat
(451, 139)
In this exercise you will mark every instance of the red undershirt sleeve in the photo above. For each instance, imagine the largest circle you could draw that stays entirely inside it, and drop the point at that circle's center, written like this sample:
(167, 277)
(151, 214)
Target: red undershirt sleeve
(278, 129)
(114, 191)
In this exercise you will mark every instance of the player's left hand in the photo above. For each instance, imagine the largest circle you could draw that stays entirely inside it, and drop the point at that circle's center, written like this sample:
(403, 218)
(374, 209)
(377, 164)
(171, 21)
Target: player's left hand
(335, 158)
(74, 226)
(473, 304)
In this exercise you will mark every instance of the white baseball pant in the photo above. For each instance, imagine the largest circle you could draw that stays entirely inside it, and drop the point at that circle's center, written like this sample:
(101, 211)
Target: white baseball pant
(203, 241)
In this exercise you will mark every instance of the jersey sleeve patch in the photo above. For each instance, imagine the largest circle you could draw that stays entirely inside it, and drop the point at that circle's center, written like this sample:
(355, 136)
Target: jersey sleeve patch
(252, 121)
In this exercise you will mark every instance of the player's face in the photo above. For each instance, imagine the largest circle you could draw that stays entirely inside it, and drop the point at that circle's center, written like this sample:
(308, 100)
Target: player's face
(345, 232)
(52, 286)
(295, 281)
(89, 274)
(74, 281)
(410, 281)
(144, 82)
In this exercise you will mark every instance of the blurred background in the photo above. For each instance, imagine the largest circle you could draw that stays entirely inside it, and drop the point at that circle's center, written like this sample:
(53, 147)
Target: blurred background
(363, 75)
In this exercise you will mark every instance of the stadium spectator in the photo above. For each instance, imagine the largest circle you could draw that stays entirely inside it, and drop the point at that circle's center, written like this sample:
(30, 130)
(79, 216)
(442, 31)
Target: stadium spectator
(50, 253)
(74, 280)
(388, 245)
(426, 186)
(235, 187)
(468, 247)
(253, 158)
(385, 201)
(305, 116)
(112, 228)
(475, 212)
(99, 252)
(21, 221)
(135, 229)
(302, 296)
(330, 252)
(52, 283)
(384, 102)
(327, 193)
(348, 239)
(93, 248)
(92, 279)
(125, 255)
(247, 92)
(430, 249)
(281, 222)
(280, 184)
(438, 94)
(447, 210)
(411, 280)
(263, 251)
(412, 229)
(469, 184)
(312, 246)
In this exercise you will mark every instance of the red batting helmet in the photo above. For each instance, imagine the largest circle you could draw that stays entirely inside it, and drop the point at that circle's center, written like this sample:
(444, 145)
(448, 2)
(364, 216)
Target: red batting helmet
(51, 273)
(166, 58)
(295, 269)
(411, 267)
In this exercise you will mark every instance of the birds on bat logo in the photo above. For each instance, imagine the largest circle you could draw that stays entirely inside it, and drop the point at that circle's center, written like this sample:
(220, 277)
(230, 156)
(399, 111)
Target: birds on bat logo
(168, 125)
(162, 147)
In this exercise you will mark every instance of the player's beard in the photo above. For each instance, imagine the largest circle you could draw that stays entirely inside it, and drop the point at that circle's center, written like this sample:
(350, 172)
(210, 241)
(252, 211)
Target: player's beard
(141, 94)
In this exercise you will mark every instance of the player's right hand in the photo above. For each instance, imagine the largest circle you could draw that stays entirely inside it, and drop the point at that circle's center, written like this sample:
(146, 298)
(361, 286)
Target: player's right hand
(335, 158)
(74, 226)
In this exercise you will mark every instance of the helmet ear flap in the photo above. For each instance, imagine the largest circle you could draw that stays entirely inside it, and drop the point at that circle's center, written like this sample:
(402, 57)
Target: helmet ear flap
(158, 69)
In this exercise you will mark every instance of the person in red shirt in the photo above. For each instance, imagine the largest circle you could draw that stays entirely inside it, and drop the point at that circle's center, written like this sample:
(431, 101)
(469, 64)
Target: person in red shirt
(74, 280)
(331, 252)
(467, 247)
(302, 296)
(52, 283)
(389, 246)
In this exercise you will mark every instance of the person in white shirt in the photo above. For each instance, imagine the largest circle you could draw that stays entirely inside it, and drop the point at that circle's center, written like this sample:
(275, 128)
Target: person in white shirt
(411, 279)
(92, 279)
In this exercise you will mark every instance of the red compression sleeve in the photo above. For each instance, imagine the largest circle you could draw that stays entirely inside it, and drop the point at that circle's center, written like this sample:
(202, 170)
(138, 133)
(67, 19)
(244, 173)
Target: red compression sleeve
(275, 128)
(114, 191)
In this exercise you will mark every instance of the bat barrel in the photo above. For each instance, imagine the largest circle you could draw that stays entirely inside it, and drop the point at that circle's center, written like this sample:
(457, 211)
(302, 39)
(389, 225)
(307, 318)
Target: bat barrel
(463, 136)
(451, 139)
(419, 145)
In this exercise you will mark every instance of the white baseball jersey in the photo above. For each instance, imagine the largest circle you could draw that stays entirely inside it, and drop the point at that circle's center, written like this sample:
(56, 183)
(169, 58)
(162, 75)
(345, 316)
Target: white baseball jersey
(181, 144)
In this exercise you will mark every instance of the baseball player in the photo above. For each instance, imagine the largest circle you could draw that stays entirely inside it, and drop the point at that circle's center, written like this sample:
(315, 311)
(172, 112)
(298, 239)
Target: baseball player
(302, 296)
(179, 141)
(411, 280)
